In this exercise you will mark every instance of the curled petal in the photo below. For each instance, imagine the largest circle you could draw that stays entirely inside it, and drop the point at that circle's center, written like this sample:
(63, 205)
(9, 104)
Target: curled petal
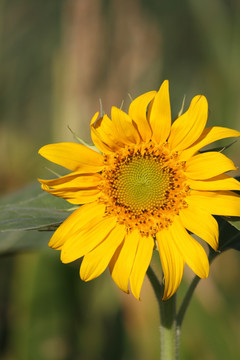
(75, 187)
(104, 134)
(96, 138)
(74, 195)
(74, 179)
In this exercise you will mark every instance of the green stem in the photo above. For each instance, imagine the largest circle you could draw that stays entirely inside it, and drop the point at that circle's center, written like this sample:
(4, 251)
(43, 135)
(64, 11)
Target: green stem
(169, 336)
(186, 302)
(157, 286)
(183, 308)
(170, 328)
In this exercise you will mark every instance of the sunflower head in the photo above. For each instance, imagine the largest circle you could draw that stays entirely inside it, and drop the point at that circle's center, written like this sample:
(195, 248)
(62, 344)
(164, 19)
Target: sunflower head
(149, 186)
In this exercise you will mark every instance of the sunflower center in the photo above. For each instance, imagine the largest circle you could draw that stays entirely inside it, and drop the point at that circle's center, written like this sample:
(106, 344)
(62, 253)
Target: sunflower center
(144, 186)
(140, 184)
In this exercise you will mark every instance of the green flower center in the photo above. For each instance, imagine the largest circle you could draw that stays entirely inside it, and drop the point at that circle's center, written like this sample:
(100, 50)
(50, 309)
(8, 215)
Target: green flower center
(141, 184)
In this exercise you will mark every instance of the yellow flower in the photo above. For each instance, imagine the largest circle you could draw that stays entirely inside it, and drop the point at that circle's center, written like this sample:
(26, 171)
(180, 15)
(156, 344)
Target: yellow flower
(148, 188)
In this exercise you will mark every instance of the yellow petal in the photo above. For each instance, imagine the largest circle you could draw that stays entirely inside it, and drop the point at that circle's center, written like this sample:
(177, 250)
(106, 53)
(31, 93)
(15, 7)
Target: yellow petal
(81, 242)
(225, 203)
(114, 257)
(122, 266)
(207, 165)
(189, 126)
(75, 187)
(138, 112)
(96, 261)
(75, 157)
(208, 136)
(74, 179)
(141, 264)
(192, 252)
(95, 136)
(160, 116)
(220, 182)
(128, 134)
(172, 263)
(106, 134)
(75, 195)
(76, 221)
(201, 223)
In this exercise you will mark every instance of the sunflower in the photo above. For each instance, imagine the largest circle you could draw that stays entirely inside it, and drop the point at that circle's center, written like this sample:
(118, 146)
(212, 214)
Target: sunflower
(148, 187)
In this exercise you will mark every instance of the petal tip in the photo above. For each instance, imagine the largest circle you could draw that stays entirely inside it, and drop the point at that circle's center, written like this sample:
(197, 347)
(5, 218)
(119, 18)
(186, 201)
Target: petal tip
(41, 150)
(94, 118)
(135, 294)
(165, 83)
(166, 297)
(53, 245)
(64, 258)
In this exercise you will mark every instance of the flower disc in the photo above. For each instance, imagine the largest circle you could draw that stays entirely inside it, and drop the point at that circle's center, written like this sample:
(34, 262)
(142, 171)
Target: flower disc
(144, 187)
(141, 184)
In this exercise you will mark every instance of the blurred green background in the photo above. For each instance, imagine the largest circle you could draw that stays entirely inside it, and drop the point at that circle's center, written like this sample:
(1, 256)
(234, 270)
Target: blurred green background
(57, 58)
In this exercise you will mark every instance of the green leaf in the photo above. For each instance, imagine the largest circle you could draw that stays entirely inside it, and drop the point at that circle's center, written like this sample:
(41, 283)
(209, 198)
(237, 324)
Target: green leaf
(229, 236)
(32, 209)
(234, 222)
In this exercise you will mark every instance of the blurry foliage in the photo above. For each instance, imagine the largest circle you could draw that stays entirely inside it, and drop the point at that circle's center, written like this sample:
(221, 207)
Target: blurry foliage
(30, 33)
(32, 209)
(29, 36)
(57, 59)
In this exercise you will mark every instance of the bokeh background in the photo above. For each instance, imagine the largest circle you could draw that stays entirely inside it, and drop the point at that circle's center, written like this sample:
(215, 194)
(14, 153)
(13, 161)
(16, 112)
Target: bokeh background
(57, 59)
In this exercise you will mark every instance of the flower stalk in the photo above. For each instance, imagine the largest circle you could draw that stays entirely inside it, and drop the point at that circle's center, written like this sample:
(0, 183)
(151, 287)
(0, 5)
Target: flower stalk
(171, 320)
(169, 336)
(188, 296)
(169, 332)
